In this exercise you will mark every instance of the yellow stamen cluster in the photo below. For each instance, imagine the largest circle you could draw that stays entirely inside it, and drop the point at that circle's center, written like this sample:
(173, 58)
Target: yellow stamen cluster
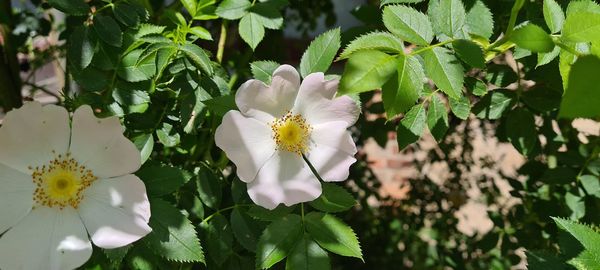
(61, 183)
(291, 133)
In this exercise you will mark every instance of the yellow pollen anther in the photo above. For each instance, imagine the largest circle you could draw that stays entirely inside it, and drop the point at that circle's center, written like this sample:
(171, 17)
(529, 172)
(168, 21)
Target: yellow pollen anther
(61, 182)
(291, 133)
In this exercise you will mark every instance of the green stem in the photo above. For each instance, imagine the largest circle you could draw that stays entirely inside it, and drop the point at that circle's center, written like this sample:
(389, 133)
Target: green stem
(218, 212)
(222, 39)
(312, 169)
(563, 46)
(511, 25)
(431, 47)
(104, 7)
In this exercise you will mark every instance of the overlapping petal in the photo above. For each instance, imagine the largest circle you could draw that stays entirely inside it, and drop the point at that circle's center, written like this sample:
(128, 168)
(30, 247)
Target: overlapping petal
(332, 164)
(16, 196)
(46, 239)
(116, 211)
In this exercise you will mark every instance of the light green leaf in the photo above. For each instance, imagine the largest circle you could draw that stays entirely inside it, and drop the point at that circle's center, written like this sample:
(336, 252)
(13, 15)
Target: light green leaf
(582, 96)
(475, 86)
(532, 37)
(245, 229)
(198, 57)
(461, 107)
(447, 17)
(380, 41)
(553, 15)
(278, 240)
(333, 199)
(582, 5)
(320, 53)
(130, 70)
(409, 24)
(219, 239)
(445, 71)
(586, 260)
(71, 7)
(148, 29)
(480, 20)
(108, 30)
(167, 136)
(588, 237)
(367, 70)
(173, 236)
(209, 187)
(81, 47)
(437, 118)
(402, 91)
(332, 234)
(591, 184)
(545, 58)
(385, 2)
(582, 27)
(251, 30)
(190, 6)
(263, 70)
(307, 255)
(469, 52)
(493, 105)
(576, 204)
(233, 9)
(521, 131)
(268, 15)
(201, 33)
(144, 143)
(162, 179)
(411, 126)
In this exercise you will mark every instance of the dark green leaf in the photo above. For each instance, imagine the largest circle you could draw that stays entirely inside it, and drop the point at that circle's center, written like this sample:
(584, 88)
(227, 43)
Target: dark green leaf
(542, 99)
(167, 136)
(479, 20)
(81, 47)
(268, 15)
(162, 179)
(246, 230)
(71, 7)
(269, 215)
(108, 30)
(219, 239)
(333, 234)
(402, 91)
(461, 107)
(447, 17)
(582, 96)
(445, 71)
(307, 255)
(493, 105)
(408, 24)
(198, 57)
(209, 187)
(126, 14)
(577, 206)
(221, 105)
(144, 143)
(333, 199)
(437, 118)
(130, 70)
(385, 2)
(278, 240)
(588, 237)
(521, 131)
(320, 53)
(411, 126)
(591, 184)
(469, 52)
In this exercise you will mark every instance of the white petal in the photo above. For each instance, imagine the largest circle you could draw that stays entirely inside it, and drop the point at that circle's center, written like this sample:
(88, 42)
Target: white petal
(334, 134)
(116, 211)
(315, 87)
(29, 135)
(100, 146)
(255, 99)
(332, 164)
(16, 196)
(286, 179)
(324, 110)
(46, 239)
(246, 141)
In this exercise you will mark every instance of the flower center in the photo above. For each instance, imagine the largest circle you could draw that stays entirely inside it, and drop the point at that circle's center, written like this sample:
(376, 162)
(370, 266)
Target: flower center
(61, 182)
(291, 133)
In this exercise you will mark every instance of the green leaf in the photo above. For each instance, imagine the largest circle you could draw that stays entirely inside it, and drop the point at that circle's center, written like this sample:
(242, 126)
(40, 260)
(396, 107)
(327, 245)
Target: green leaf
(268, 15)
(71, 7)
(198, 57)
(545, 58)
(582, 5)
(521, 131)
(461, 107)
(333, 234)
(576, 204)
(333, 199)
(209, 187)
(380, 41)
(591, 184)
(480, 20)
(408, 24)
(130, 70)
(501, 75)
(533, 38)
(469, 52)
(190, 6)
(245, 229)
(586, 260)
(263, 70)
(447, 17)
(116, 255)
(475, 86)
(307, 255)
(582, 27)
(219, 239)
(81, 47)
(411, 126)
(437, 118)
(543, 261)
(445, 71)
(320, 53)
(201, 33)
(493, 105)
(251, 30)
(385, 2)
(126, 14)
(148, 29)
(367, 70)
(582, 96)
(144, 143)
(233, 9)
(588, 237)
(542, 99)
(167, 136)
(402, 91)
(278, 240)
(221, 105)
(173, 236)
(553, 15)
(269, 215)
(108, 30)
(162, 179)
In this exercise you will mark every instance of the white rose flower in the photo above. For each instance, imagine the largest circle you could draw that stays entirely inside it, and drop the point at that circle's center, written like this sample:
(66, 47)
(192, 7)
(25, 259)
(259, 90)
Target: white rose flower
(61, 180)
(277, 125)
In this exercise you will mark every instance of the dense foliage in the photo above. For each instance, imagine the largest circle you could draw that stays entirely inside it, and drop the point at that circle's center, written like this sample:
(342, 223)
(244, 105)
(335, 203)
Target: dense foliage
(521, 71)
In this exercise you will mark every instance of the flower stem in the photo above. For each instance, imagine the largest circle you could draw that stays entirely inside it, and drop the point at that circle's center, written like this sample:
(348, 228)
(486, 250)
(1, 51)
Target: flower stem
(218, 212)
(222, 39)
(312, 169)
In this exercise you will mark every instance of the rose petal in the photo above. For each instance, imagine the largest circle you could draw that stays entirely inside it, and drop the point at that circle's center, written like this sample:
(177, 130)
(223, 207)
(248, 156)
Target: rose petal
(16, 196)
(324, 110)
(334, 134)
(332, 164)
